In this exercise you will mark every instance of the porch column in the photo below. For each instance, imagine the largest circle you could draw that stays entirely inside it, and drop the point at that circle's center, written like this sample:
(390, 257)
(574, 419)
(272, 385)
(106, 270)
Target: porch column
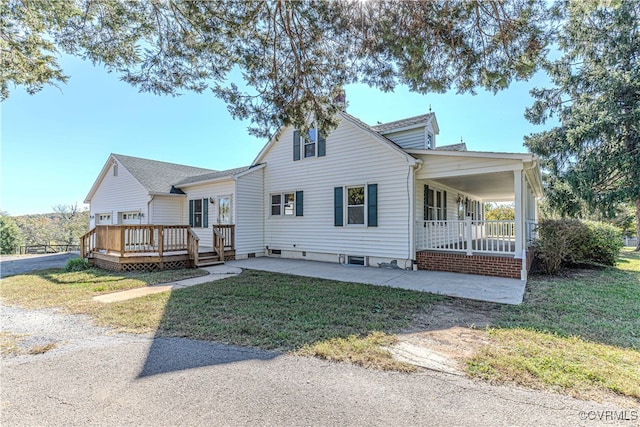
(518, 191)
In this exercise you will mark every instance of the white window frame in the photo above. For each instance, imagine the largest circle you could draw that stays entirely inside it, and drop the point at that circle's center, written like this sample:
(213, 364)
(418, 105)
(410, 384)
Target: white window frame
(196, 213)
(364, 205)
(99, 218)
(438, 207)
(306, 141)
(282, 205)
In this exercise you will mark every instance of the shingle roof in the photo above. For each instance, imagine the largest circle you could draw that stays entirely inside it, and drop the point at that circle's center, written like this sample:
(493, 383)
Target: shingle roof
(398, 124)
(158, 177)
(210, 176)
(461, 146)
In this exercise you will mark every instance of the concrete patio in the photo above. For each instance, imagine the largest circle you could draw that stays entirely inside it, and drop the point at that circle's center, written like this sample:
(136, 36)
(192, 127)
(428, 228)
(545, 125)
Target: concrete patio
(470, 286)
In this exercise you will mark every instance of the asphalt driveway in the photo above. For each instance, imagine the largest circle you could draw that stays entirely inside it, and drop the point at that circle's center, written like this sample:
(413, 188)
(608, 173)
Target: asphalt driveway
(97, 377)
(21, 264)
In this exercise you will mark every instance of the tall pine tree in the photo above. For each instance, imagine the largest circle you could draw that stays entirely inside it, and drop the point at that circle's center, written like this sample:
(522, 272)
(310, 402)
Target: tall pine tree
(595, 151)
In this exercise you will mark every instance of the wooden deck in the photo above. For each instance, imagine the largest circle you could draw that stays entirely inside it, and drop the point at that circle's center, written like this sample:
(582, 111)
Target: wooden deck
(155, 247)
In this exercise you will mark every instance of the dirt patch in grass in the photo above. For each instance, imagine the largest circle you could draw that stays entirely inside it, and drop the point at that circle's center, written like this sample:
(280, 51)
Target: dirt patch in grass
(12, 344)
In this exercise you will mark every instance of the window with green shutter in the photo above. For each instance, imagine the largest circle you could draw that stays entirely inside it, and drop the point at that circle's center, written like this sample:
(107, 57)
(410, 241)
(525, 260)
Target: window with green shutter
(198, 213)
(311, 144)
(360, 203)
(289, 203)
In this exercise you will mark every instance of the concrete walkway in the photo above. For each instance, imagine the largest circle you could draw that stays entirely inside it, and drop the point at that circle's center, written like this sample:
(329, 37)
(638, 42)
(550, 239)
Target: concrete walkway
(217, 272)
(471, 286)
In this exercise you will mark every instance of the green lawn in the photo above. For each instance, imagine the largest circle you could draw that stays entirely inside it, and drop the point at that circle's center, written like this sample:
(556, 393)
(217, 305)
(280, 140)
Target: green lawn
(73, 291)
(579, 334)
(260, 309)
(272, 311)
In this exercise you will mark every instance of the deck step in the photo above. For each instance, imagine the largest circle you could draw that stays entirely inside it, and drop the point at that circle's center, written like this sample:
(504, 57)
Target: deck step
(208, 260)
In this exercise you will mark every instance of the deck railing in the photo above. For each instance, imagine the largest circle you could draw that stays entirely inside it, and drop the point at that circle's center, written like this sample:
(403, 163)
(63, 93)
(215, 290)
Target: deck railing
(469, 236)
(135, 239)
(193, 244)
(226, 232)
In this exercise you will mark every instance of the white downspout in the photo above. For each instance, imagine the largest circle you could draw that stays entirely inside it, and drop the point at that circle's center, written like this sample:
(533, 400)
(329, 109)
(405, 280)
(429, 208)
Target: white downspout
(412, 208)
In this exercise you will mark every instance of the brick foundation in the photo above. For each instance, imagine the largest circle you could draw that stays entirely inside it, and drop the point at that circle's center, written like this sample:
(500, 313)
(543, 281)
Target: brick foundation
(497, 266)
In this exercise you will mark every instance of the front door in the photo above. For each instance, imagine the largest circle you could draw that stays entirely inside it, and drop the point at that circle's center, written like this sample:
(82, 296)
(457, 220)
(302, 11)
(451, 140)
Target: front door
(224, 210)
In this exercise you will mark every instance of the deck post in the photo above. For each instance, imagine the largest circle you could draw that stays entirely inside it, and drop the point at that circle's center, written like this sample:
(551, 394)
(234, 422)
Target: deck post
(122, 241)
(160, 239)
(468, 232)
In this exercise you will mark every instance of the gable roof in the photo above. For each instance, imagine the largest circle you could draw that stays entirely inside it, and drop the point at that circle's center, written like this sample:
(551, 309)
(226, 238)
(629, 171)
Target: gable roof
(403, 123)
(155, 176)
(461, 146)
(211, 176)
(351, 119)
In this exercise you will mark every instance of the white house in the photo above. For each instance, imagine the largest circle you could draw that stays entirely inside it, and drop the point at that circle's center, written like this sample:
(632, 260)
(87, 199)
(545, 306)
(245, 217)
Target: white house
(362, 194)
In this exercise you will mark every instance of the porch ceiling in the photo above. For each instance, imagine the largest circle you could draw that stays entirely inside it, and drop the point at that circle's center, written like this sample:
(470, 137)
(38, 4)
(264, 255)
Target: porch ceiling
(495, 187)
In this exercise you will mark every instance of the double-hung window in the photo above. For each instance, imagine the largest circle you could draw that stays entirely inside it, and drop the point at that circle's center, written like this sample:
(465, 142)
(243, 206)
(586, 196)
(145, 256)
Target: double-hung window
(435, 204)
(311, 144)
(355, 205)
(199, 213)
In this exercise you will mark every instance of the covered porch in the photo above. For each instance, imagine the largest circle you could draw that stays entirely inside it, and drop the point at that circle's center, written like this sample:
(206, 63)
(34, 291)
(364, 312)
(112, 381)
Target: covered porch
(451, 230)
(127, 247)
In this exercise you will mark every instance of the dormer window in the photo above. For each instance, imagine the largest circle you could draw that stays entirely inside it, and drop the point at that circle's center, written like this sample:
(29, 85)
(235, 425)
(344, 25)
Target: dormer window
(429, 141)
(115, 169)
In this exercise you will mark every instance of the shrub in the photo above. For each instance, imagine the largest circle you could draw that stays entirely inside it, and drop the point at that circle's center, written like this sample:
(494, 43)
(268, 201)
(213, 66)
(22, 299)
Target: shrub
(76, 264)
(604, 244)
(569, 242)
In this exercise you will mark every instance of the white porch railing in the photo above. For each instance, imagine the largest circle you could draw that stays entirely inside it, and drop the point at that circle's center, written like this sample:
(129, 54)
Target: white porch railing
(469, 236)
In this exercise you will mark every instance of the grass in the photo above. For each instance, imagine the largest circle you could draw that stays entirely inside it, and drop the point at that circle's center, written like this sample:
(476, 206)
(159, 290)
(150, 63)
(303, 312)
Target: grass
(579, 334)
(14, 344)
(259, 309)
(73, 291)
(271, 311)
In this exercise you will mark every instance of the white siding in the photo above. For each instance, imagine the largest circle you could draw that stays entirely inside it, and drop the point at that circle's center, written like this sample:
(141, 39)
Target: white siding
(250, 214)
(167, 210)
(214, 190)
(353, 157)
(121, 193)
(437, 166)
(412, 138)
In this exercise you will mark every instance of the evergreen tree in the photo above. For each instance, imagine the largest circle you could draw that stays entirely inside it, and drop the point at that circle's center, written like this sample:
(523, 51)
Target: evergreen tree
(594, 153)
(294, 56)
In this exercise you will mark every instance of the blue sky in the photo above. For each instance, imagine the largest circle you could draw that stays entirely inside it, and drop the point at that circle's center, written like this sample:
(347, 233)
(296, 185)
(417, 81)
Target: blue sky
(54, 143)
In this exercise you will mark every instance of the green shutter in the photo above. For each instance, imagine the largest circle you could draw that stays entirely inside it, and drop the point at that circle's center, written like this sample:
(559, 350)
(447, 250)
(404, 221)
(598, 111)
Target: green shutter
(322, 145)
(205, 213)
(426, 202)
(372, 205)
(190, 213)
(444, 205)
(299, 203)
(296, 145)
(338, 202)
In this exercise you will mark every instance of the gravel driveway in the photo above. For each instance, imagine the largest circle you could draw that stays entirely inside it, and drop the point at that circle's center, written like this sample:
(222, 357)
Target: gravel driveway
(97, 377)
